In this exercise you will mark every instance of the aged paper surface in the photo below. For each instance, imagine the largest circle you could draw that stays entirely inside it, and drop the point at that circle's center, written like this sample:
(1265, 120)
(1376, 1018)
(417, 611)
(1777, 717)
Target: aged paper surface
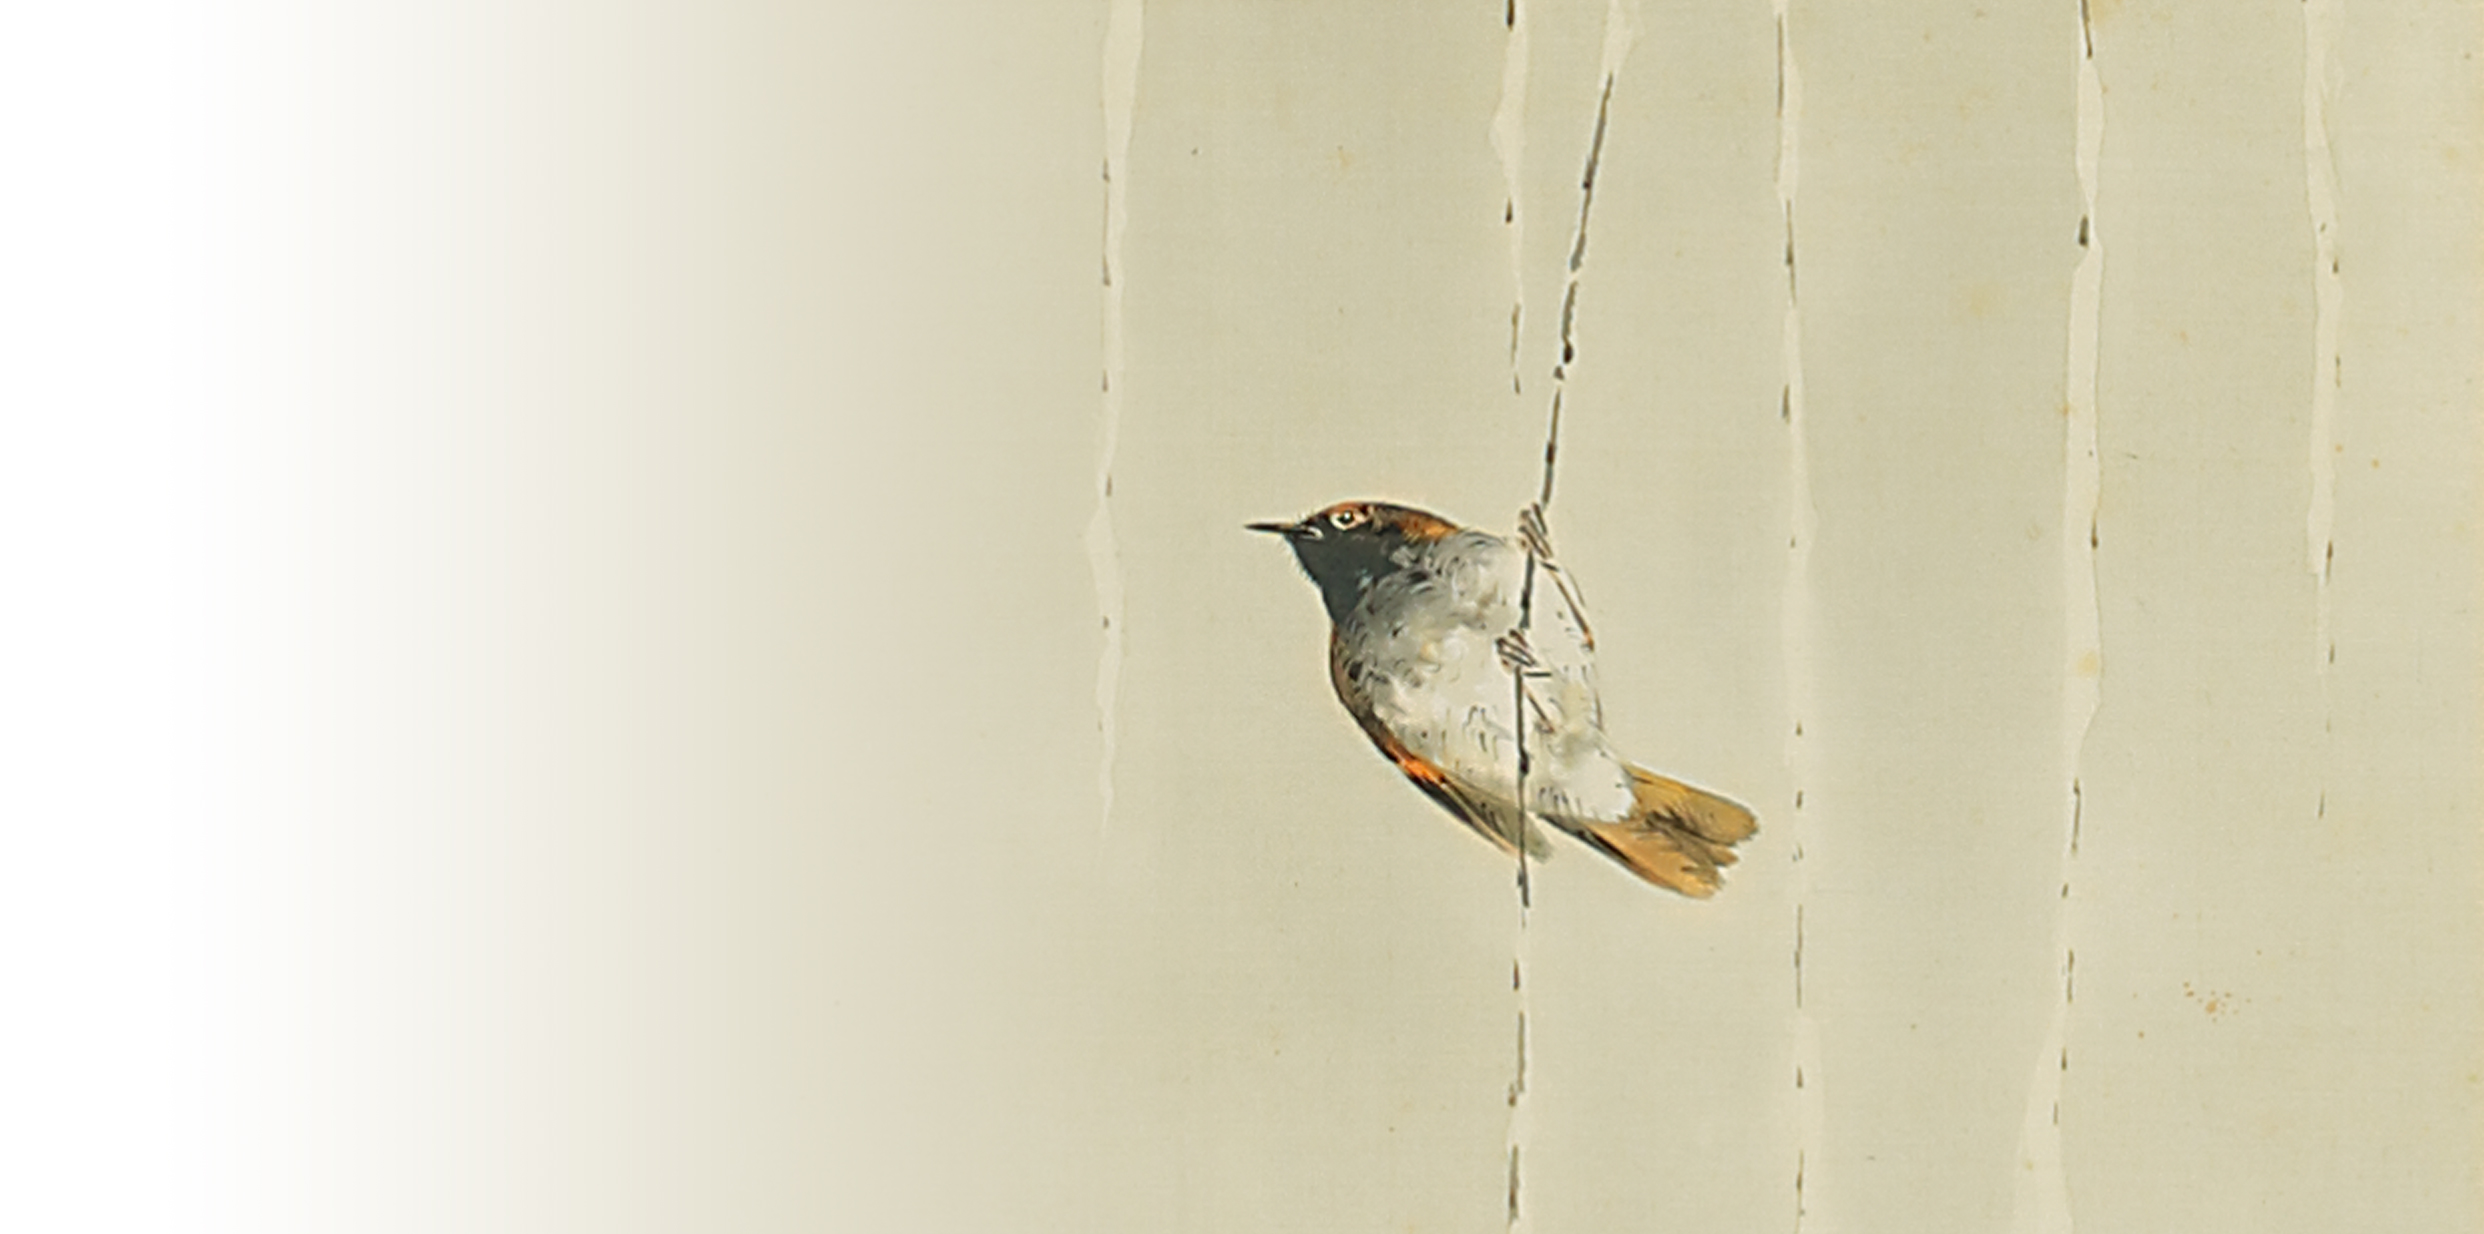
(736, 693)
(2130, 884)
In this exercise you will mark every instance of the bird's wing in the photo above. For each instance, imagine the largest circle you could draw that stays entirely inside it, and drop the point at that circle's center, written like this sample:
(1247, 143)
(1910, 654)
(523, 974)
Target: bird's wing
(1564, 649)
(1575, 776)
(1561, 647)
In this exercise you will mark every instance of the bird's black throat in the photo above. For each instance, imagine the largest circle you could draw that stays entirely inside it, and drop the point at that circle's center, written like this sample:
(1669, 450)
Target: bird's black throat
(1345, 565)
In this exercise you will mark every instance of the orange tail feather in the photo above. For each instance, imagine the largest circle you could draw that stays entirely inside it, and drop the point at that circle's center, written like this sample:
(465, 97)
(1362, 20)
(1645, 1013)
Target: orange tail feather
(1677, 837)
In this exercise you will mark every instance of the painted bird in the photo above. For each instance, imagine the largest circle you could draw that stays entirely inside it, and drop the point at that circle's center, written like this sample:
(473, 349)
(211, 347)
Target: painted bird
(1426, 652)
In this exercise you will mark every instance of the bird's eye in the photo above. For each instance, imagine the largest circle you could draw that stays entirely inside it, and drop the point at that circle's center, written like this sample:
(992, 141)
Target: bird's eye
(1345, 519)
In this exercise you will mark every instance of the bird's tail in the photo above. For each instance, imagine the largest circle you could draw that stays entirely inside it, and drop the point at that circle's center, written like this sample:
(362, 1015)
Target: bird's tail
(1676, 837)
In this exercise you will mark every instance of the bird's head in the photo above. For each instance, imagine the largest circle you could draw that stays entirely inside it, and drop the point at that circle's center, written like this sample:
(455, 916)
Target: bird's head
(1347, 547)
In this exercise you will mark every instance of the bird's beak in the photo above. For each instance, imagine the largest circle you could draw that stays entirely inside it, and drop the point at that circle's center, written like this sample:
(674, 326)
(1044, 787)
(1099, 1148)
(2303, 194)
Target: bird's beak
(1277, 529)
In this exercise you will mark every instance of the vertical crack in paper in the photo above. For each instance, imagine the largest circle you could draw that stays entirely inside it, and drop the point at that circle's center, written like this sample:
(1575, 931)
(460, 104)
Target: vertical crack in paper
(2328, 364)
(2041, 1194)
(1120, 91)
(1509, 144)
(1795, 634)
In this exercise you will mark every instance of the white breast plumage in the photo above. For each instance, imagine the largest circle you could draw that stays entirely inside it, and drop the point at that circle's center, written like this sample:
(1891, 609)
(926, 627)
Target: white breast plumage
(1424, 644)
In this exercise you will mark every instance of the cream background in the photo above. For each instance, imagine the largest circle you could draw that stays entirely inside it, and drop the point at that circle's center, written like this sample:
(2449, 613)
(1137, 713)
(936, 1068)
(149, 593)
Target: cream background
(556, 656)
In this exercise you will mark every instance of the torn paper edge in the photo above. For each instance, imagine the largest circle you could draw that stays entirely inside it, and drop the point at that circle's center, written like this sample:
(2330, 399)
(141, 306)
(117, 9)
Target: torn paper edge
(1810, 1114)
(1120, 90)
(2041, 1196)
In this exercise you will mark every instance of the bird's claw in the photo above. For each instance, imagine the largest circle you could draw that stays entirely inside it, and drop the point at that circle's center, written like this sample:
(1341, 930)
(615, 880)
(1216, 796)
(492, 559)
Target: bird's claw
(1516, 655)
(1533, 533)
